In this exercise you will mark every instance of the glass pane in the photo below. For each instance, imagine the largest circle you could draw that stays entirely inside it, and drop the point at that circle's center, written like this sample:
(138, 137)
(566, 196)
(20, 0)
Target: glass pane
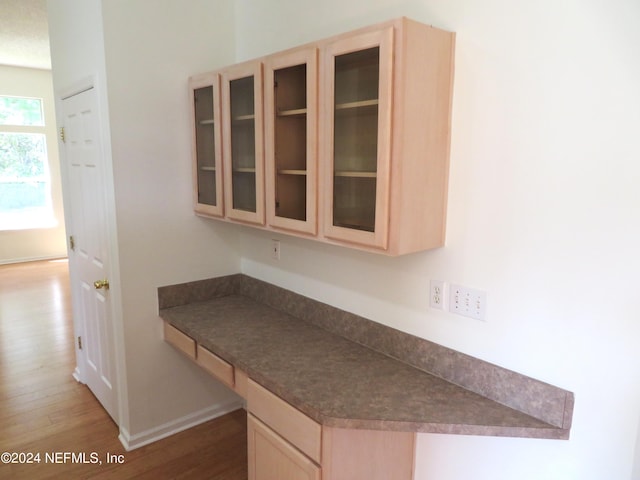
(356, 139)
(291, 142)
(21, 111)
(25, 197)
(243, 152)
(205, 145)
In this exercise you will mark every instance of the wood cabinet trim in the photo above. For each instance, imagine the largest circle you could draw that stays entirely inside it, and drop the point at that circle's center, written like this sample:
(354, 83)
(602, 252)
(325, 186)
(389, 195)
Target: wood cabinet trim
(241, 381)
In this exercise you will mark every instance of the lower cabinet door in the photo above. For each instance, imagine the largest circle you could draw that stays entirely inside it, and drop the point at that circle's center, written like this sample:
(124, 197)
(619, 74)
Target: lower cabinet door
(273, 458)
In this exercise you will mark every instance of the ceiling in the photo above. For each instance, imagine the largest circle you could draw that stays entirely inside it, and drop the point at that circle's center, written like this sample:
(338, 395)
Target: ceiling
(24, 34)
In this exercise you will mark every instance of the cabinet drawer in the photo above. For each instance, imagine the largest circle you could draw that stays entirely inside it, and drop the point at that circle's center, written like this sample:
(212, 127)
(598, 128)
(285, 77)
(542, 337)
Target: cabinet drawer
(179, 340)
(290, 423)
(216, 366)
(272, 457)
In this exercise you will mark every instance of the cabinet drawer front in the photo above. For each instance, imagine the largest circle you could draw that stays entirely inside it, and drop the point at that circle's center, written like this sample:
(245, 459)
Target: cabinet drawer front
(272, 457)
(303, 432)
(179, 340)
(216, 366)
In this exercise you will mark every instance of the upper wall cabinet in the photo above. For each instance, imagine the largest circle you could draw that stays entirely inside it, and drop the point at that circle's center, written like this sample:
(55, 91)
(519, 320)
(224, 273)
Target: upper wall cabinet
(243, 148)
(385, 146)
(291, 117)
(206, 144)
(356, 139)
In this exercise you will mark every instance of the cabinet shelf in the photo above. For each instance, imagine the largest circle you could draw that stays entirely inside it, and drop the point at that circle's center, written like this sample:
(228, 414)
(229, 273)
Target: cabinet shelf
(206, 122)
(354, 224)
(244, 170)
(361, 104)
(294, 112)
(244, 118)
(207, 169)
(355, 174)
(291, 172)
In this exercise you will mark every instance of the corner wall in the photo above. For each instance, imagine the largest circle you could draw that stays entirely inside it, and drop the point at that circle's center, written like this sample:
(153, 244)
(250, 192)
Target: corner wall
(152, 47)
(141, 54)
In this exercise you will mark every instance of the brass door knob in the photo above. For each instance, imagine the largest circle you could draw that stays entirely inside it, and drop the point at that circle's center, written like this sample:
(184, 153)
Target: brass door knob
(101, 284)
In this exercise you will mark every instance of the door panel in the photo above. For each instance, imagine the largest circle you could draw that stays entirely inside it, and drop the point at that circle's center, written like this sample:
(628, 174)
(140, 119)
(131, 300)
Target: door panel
(84, 163)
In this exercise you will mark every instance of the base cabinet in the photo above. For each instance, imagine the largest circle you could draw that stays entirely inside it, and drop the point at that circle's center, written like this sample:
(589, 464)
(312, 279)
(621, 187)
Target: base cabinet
(285, 444)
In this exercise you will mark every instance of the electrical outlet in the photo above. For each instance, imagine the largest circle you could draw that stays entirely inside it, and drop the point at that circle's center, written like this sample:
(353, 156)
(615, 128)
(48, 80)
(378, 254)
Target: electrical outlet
(468, 302)
(436, 294)
(275, 249)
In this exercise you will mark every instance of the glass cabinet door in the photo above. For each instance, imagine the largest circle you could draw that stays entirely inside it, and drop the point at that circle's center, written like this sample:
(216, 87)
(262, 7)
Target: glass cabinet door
(358, 124)
(290, 140)
(243, 152)
(207, 152)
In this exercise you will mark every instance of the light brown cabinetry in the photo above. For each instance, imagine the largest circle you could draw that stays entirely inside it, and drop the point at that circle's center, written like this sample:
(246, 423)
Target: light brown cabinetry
(386, 111)
(216, 366)
(243, 148)
(206, 144)
(182, 342)
(357, 113)
(272, 458)
(286, 444)
(291, 117)
(222, 370)
(353, 148)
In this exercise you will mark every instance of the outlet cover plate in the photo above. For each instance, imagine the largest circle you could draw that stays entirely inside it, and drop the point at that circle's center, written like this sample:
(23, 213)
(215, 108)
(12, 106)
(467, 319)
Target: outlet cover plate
(468, 302)
(437, 294)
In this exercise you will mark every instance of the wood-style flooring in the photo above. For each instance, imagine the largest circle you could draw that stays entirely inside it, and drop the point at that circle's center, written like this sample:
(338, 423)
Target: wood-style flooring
(46, 416)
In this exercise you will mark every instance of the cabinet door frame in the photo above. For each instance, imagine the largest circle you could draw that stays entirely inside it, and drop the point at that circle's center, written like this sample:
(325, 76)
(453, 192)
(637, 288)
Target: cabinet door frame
(243, 70)
(384, 39)
(211, 79)
(309, 57)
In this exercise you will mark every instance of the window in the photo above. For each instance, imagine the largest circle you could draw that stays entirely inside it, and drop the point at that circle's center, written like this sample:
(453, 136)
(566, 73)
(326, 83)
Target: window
(25, 185)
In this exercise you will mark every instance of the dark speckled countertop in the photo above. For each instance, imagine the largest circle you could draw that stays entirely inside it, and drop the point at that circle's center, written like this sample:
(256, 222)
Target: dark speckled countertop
(338, 382)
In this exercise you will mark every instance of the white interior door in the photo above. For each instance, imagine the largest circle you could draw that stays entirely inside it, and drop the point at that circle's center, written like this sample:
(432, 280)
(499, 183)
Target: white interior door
(88, 259)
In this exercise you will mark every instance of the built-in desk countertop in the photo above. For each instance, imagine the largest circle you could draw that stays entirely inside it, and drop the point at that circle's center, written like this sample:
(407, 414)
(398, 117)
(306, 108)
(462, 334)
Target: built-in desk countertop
(304, 352)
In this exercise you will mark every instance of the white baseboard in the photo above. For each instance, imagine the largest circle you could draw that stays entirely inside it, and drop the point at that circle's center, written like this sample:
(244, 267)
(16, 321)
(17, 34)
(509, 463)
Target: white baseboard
(131, 442)
(11, 261)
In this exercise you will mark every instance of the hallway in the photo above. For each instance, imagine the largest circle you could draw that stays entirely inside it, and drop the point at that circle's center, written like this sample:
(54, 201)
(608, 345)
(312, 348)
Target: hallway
(49, 419)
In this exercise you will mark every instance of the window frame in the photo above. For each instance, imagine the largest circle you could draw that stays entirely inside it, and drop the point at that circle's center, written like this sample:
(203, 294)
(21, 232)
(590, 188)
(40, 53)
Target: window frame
(46, 217)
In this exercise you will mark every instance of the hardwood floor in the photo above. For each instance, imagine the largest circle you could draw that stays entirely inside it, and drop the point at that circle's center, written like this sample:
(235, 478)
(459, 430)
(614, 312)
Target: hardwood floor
(46, 415)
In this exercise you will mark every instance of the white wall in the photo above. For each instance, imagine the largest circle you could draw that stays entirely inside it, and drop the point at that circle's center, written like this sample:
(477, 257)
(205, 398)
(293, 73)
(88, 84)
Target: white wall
(141, 54)
(40, 243)
(544, 214)
(151, 48)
